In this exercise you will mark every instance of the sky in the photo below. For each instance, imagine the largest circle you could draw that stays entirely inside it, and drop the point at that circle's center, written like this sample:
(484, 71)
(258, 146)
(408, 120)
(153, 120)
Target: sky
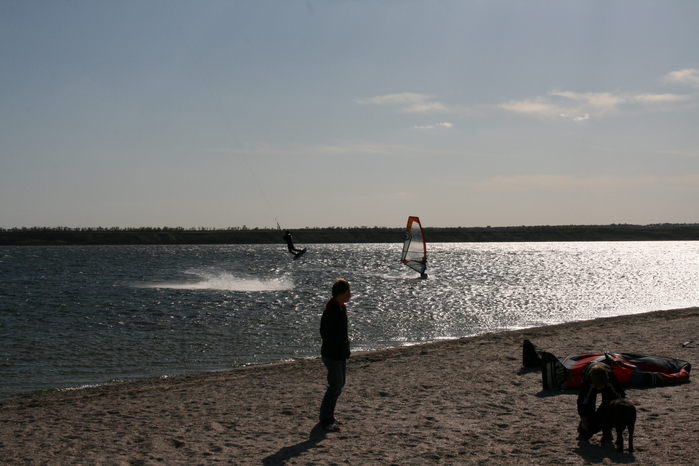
(223, 114)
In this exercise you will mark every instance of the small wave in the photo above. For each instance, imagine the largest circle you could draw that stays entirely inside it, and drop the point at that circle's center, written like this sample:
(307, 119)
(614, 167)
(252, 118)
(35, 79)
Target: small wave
(226, 282)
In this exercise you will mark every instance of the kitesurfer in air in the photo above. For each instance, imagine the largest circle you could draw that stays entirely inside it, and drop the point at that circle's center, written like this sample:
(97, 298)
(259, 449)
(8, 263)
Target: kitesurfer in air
(334, 351)
(290, 243)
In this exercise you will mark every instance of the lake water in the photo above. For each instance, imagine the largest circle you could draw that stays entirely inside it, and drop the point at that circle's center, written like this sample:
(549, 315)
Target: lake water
(72, 316)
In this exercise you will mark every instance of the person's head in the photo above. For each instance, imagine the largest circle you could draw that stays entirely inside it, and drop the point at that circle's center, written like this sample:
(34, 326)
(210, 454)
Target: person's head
(341, 290)
(598, 377)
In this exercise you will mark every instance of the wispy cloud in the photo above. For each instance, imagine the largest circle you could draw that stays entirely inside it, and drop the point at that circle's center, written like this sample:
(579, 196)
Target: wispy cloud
(407, 102)
(581, 106)
(339, 148)
(688, 77)
(553, 183)
(437, 125)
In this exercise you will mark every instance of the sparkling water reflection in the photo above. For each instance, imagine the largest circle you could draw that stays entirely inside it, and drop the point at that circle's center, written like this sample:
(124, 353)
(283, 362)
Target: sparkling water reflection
(71, 316)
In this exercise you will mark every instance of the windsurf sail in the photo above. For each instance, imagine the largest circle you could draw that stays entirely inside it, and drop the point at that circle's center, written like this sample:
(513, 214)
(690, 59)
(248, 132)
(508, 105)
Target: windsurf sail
(414, 249)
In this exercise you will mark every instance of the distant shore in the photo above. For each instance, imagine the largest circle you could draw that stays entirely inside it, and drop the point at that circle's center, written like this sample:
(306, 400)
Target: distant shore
(467, 401)
(37, 236)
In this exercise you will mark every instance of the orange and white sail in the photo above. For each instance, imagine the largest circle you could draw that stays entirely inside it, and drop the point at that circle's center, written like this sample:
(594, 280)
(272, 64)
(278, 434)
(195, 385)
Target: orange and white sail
(415, 249)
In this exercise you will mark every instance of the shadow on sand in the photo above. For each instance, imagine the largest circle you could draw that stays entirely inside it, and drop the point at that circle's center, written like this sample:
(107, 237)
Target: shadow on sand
(318, 434)
(595, 453)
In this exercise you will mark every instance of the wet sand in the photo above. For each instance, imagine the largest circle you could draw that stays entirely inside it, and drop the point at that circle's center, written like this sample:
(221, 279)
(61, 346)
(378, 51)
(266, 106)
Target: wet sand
(461, 402)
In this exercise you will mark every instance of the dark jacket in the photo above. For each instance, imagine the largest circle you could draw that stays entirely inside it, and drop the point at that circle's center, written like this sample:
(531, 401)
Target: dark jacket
(333, 330)
(587, 398)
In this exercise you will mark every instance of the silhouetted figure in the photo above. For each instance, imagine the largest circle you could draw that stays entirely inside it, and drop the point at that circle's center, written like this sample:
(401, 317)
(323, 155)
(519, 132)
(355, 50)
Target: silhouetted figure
(290, 243)
(598, 379)
(335, 351)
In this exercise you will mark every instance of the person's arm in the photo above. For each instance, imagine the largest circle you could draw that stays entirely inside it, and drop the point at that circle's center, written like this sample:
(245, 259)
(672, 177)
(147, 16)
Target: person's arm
(326, 326)
(586, 401)
(330, 329)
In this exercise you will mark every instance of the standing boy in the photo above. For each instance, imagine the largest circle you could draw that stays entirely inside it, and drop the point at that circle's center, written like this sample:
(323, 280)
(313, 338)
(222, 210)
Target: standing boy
(334, 351)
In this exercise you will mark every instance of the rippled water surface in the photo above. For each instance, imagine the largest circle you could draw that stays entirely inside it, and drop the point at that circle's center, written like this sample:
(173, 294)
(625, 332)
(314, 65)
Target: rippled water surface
(71, 316)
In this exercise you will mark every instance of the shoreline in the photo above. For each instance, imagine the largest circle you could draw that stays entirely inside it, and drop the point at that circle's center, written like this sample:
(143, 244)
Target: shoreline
(462, 401)
(167, 377)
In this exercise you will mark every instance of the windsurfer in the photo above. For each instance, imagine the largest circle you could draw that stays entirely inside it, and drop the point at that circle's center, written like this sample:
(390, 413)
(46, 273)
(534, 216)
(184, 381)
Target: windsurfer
(290, 243)
(415, 248)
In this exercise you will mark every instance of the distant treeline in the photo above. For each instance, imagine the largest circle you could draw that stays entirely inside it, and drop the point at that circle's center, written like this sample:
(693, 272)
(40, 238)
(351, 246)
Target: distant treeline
(244, 235)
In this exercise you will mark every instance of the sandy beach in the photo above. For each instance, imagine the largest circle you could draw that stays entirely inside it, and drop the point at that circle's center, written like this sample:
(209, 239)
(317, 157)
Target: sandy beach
(466, 401)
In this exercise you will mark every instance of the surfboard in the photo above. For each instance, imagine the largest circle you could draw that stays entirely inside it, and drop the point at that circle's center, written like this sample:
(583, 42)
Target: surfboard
(299, 254)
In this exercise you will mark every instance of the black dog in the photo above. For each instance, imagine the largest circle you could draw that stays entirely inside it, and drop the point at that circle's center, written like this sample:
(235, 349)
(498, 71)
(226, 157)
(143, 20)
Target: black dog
(622, 414)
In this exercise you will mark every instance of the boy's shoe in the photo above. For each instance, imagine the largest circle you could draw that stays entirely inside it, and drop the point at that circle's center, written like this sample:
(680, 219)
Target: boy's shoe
(331, 428)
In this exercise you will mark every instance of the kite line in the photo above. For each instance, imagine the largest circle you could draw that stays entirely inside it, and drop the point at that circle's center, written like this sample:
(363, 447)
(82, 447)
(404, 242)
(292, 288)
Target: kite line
(226, 115)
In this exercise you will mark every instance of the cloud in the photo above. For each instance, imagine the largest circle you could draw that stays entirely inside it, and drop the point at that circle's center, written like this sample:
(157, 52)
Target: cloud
(443, 125)
(345, 147)
(600, 101)
(338, 148)
(408, 102)
(561, 183)
(581, 106)
(536, 106)
(688, 77)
